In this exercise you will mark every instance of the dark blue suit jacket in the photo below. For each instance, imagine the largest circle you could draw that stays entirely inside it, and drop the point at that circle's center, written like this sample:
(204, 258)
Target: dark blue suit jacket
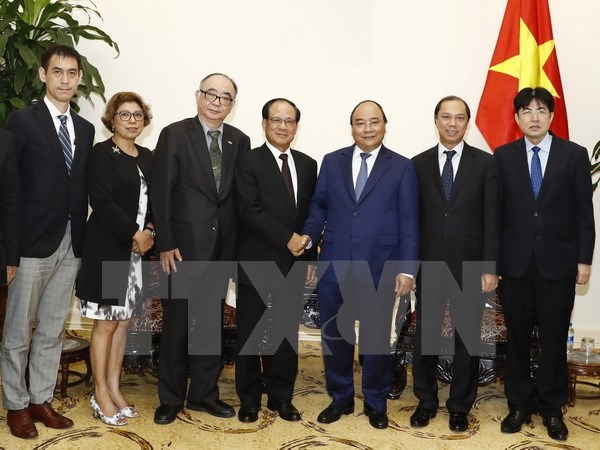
(383, 225)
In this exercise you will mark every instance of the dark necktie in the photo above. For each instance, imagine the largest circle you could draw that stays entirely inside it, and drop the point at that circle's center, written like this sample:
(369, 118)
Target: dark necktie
(448, 174)
(287, 176)
(536, 172)
(215, 156)
(361, 180)
(65, 142)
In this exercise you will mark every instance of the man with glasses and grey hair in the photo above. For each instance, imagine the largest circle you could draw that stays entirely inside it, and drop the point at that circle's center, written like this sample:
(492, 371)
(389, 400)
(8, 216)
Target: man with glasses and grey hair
(194, 213)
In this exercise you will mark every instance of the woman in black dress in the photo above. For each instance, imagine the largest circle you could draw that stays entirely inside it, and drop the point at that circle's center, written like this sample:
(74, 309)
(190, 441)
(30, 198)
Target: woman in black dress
(120, 228)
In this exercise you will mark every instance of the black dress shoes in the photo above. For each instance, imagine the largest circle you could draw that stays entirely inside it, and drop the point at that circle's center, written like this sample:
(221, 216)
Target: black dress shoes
(514, 421)
(421, 416)
(215, 408)
(286, 410)
(165, 414)
(458, 421)
(377, 419)
(332, 414)
(556, 428)
(248, 414)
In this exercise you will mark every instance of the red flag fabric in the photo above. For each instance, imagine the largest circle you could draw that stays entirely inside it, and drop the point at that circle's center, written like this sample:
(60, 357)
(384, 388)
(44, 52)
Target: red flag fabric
(525, 56)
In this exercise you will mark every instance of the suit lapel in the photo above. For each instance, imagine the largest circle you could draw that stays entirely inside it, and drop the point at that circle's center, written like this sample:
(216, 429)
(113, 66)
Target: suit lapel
(346, 169)
(433, 169)
(47, 124)
(554, 161)
(227, 169)
(199, 143)
(464, 168)
(382, 163)
(303, 174)
(519, 159)
(78, 138)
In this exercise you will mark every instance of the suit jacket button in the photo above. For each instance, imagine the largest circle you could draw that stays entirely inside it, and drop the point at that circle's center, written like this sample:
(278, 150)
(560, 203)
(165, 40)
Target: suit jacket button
(535, 214)
(355, 213)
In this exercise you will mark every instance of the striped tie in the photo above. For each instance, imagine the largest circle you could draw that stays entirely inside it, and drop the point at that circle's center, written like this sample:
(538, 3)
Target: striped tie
(65, 142)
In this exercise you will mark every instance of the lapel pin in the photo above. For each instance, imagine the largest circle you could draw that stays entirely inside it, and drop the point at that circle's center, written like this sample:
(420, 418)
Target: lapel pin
(230, 143)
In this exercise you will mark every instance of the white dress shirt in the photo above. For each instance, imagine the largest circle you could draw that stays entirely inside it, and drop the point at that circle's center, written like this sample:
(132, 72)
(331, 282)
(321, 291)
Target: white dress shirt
(276, 153)
(543, 153)
(357, 160)
(54, 112)
(455, 159)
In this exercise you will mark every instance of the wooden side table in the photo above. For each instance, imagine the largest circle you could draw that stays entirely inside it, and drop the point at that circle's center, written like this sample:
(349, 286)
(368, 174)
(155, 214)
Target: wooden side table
(74, 349)
(588, 366)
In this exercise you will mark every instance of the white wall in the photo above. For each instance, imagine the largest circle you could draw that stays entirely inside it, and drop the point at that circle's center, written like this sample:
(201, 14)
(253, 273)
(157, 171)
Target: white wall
(328, 55)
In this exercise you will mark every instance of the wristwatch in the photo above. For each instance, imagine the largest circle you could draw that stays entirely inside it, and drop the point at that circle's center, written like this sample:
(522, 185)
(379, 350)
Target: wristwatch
(151, 231)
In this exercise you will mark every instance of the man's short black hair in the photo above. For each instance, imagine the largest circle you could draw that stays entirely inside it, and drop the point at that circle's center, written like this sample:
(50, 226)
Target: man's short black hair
(267, 106)
(526, 95)
(62, 51)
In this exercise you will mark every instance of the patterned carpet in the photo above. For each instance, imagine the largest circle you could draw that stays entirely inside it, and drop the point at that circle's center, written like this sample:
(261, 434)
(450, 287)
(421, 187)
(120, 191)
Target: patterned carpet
(195, 430)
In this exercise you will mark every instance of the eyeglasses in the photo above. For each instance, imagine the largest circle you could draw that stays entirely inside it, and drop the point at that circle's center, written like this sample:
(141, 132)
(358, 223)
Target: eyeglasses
(278, 121)
(126, 115)
(363, 123)
(527, 113)
(211, 97)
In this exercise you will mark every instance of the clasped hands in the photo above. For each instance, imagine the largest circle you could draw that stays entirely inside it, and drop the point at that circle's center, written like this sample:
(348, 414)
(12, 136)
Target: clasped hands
(297, 244)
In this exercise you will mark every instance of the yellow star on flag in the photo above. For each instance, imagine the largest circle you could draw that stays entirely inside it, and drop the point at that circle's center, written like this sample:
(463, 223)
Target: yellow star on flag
(528, 65)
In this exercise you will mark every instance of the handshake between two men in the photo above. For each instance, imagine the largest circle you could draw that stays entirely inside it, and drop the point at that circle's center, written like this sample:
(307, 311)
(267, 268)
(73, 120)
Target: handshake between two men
(297, 244)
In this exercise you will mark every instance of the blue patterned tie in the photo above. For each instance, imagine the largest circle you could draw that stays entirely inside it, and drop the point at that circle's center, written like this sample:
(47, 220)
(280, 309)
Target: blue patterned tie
(361, 180)
(65, 142)
(448, 174)
(536, 172)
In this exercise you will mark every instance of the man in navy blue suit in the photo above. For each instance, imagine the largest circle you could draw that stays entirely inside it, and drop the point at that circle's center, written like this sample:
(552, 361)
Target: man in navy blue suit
(548, 239)
(365, 214)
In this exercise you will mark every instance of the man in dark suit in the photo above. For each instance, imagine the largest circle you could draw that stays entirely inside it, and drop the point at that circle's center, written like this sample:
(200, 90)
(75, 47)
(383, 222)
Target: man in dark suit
(54, 144)
(459, 221)
(274, 185)
(193, 198)
(10, 207)
(365, 214)
(547, 246)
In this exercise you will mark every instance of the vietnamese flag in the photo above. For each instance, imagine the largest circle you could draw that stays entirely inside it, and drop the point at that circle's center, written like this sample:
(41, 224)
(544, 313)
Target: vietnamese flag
(525, 56)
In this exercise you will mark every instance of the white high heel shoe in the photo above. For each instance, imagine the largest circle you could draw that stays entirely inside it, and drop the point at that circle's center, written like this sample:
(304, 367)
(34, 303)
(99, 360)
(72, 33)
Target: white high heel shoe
(117, 420)
(130, 412)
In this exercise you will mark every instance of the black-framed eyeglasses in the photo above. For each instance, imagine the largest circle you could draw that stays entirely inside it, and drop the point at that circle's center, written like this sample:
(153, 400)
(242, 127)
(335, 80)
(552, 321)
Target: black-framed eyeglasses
(126, 115)
(278, 121)
(211, 97)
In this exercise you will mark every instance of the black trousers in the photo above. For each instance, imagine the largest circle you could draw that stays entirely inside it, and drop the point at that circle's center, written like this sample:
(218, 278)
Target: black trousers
(527, 301)
(192, 334)
(259, 341)
(433, 295)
